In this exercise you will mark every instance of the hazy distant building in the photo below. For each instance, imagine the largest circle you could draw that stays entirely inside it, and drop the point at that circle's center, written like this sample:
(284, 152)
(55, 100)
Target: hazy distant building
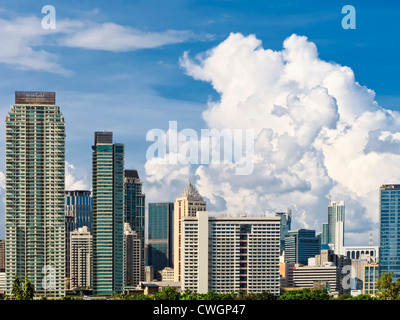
(187, 204)
(35, 176)
(225, 254)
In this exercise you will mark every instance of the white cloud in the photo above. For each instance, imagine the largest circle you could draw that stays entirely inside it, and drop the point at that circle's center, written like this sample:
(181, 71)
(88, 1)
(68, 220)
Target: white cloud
(318, 132)
(23, 40)
(71, 181)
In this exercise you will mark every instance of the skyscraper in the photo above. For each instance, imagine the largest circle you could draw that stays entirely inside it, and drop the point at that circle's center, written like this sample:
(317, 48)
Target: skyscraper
(188, 203)
(389, 233)
(160, 234)
(336, 225)
(108, 214)
(135, 212)
(35, 219)
(300, 245)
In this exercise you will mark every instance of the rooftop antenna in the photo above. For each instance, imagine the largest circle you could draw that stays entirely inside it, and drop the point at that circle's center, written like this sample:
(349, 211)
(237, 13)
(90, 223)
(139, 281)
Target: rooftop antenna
(371, 239)
(329, 197)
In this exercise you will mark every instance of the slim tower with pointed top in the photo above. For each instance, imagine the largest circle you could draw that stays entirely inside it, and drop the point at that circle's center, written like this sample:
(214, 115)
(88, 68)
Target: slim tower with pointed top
(188, 203)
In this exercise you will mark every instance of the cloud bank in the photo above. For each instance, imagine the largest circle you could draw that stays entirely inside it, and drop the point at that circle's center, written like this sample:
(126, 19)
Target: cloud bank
(318, 132)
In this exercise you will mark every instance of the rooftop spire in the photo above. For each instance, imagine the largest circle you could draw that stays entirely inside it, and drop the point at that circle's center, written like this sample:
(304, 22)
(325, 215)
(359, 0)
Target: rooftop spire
(190, 192)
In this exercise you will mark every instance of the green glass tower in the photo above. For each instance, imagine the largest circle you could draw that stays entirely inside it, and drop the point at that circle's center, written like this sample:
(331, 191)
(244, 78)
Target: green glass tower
(108, 214)
(35, 220)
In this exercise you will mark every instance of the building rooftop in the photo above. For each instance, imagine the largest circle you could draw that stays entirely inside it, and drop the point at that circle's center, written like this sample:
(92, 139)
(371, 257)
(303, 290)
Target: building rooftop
(191, 193)
(35, 97)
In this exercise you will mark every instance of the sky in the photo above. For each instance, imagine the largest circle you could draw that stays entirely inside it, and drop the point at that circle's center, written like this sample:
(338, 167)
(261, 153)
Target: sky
(323, 101)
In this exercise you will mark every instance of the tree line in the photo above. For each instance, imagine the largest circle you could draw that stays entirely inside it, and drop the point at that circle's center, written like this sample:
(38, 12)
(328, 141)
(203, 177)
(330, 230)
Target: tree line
(387, 289)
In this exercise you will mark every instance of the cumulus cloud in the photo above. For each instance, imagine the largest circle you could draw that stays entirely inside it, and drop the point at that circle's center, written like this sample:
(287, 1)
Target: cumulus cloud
(318, 132)
(71, 181)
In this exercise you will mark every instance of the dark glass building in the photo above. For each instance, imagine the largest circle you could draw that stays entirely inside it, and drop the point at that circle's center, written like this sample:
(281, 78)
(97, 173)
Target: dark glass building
(300, 245)
(135, 211)
(160, 235)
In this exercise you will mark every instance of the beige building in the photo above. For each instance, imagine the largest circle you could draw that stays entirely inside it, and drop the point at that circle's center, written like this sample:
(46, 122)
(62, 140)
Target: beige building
(188, 203)
(81, 258)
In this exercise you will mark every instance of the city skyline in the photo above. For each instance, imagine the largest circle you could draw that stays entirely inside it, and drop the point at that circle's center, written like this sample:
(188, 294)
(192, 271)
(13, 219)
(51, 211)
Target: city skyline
(130, 87)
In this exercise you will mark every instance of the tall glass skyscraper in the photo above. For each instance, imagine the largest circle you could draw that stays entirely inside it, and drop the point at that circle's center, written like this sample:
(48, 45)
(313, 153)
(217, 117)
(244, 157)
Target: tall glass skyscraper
(389, 233)
(108, 214)
(300, 245)
(135, 211)
(160, 234)
(35, 219)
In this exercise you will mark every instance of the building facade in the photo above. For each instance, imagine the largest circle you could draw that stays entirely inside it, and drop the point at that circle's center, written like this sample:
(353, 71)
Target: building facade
(300, 245)
(35, 171)
(81, 259)
(188, 203)
(336, 215)
(389, 231)
(108, 214)
(135, 213)
(225, 254)
(133, 272)
(371, 276)
(160, 235)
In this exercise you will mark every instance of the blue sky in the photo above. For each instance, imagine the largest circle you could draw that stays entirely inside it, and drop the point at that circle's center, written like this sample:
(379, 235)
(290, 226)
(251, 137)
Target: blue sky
(131, 88)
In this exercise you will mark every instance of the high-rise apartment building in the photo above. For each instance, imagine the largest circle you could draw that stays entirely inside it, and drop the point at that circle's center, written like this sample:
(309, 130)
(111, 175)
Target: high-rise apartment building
(225, 254)
(135, 213)
(81, 248)
(133, 272)
(2, 255)
(336, 213)
(160, 235)
(389, 233)
(108, 214)
(188, 203)
(78, 214)
(35, 170)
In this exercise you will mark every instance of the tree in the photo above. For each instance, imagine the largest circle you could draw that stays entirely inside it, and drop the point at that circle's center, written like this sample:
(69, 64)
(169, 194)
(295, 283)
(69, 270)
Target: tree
(387, 288)
(16, 292)
(29, 289)
(306, 294)
(169, 293)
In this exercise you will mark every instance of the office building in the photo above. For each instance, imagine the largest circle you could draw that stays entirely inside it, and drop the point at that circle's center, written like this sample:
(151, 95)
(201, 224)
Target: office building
(133, 271)
(225, 254)
(35, 171)
(78, 214)
(325, 233)
(81, 258)
(336, 214)
(108, 214)
(369, 253)
(325, 267)
(160, 235)
(300, 245)
(389, 233)
(286, 222)
(135, 212)
(371, 276)
(188, 203)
